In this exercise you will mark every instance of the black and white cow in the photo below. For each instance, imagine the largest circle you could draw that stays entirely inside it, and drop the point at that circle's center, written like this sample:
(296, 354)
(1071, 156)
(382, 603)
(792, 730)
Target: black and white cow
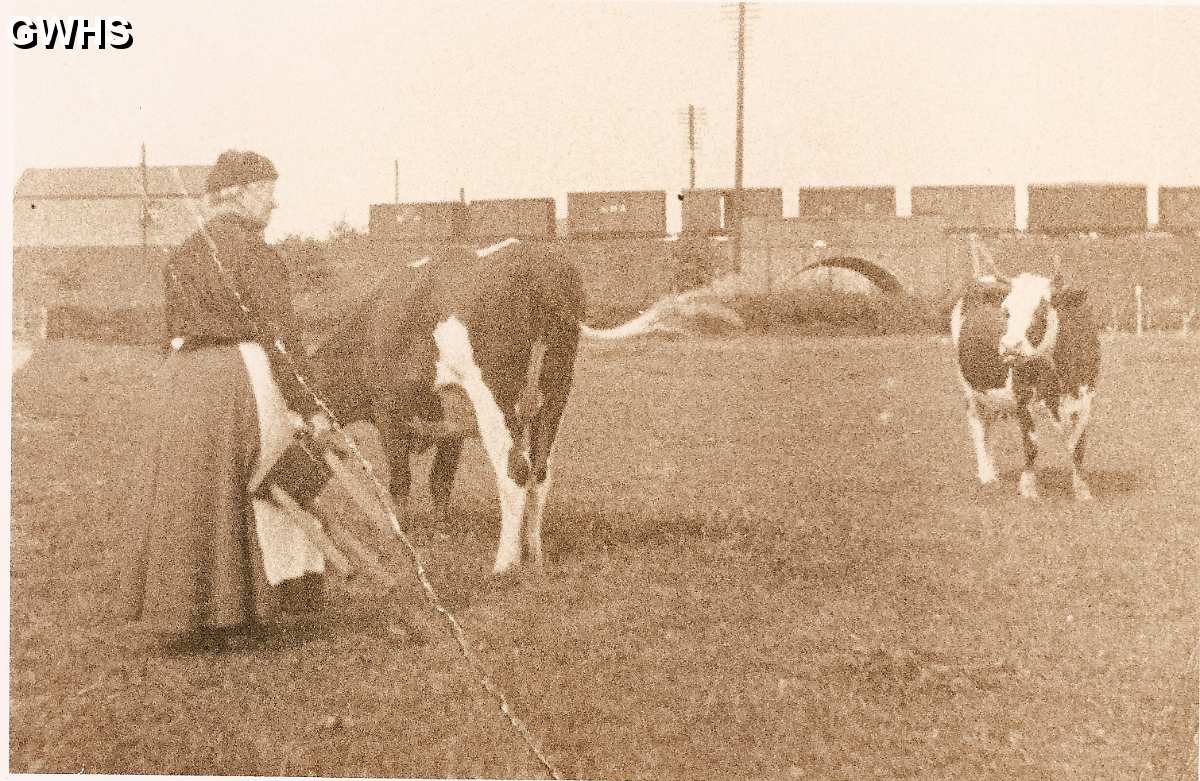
(1022, 342)
(470, 344)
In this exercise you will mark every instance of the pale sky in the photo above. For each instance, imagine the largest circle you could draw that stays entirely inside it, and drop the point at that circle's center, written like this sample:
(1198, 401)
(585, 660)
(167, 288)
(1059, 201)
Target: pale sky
(536, 99)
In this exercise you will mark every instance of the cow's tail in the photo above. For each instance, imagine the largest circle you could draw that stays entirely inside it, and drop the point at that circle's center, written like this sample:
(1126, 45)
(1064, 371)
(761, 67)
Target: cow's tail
(647, 322)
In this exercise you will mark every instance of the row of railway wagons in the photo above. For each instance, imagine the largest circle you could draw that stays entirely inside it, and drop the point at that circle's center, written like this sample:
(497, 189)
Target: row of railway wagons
(1061, 209)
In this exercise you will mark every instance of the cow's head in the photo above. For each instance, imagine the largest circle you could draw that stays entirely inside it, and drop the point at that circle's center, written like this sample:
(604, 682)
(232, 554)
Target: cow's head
(1032, 306)
(1029, 305)
(1030, 318)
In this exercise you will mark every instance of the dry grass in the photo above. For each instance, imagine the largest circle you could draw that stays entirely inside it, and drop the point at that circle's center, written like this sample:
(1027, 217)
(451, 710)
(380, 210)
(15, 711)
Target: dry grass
(769, 560)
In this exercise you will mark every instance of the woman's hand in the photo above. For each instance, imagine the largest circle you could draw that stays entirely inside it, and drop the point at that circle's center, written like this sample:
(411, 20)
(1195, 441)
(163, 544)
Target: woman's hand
(321, 430)
(319, 423)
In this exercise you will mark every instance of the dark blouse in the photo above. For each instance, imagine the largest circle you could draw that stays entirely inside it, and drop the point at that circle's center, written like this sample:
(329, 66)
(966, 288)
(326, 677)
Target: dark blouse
(201, 303)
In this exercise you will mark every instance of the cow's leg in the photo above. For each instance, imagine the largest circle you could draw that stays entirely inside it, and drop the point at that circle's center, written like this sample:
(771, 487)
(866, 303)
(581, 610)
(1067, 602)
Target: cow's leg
(979, 426)
(554, 383)
(397, 445)
(1080, 411)
(541, 458)
(1028, 486)
(441, 477)
(539, 490)
(456, 364)
(1082, 491)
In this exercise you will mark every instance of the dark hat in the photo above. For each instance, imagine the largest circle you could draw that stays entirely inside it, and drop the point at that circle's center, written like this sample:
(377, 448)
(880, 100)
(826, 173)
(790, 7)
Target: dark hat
(235, 167)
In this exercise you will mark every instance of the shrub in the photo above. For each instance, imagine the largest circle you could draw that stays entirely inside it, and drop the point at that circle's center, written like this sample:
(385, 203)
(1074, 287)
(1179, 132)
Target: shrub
(307, 263)
(814, 310)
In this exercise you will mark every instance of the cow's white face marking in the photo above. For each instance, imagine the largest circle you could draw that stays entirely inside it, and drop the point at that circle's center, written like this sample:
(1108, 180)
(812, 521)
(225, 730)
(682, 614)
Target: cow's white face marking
(456, 365)
(1031, 323)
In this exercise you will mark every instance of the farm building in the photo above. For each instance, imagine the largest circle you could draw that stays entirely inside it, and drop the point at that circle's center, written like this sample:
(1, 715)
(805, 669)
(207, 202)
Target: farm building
(88, 247)
(1109, 209)
(436, 221)
(984, 209)
(617, 214)
(708, 211)
(847, 203)
(105, 207)
(1179, 209)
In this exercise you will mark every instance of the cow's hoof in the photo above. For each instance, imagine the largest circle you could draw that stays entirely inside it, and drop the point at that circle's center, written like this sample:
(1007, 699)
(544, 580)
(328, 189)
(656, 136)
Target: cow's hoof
(506, 566)
(509, 578)
(442, 517)
(1082, 492)
(987, 476)
(1028, 486)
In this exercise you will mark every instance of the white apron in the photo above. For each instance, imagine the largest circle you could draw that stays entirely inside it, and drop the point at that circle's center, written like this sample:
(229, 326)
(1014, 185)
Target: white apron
(286, 551)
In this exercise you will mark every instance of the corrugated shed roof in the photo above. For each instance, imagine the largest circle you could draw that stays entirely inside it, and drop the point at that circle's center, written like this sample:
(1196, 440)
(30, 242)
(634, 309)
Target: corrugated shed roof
(110, 182)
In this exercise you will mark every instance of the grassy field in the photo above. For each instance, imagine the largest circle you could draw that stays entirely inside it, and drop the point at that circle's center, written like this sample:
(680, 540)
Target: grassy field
(768, 559)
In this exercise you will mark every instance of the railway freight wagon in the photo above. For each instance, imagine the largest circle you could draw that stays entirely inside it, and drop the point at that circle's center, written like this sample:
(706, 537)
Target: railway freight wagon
(983, 209)
(847, 203)
(443, 221)
(617, 214)
(1108, 209)
(1179, 209)
(523, 218)
(709, 211)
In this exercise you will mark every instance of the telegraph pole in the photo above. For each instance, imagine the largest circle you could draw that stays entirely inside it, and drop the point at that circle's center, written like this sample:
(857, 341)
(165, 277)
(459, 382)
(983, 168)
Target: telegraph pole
(145, 204)
(693, 119)
(691, 147)
(741, 98)
(738, 144)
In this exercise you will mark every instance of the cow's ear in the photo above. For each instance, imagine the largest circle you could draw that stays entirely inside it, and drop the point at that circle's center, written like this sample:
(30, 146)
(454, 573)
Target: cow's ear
(1067, 297)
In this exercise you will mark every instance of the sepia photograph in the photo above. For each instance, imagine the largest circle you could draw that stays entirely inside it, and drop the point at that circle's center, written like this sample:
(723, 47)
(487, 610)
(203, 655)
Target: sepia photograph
(565, 389)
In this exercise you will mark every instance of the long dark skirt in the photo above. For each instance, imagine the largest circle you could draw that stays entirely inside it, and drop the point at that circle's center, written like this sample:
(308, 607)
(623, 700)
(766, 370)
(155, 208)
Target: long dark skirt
(197, 563)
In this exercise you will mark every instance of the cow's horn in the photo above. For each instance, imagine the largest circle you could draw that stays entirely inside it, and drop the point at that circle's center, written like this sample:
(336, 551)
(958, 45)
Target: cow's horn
(976, 270)
(982, 264)
(991, 264)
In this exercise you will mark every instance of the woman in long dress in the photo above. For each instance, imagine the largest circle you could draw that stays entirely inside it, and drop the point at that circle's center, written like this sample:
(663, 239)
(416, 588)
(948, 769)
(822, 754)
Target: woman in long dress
(198, 574)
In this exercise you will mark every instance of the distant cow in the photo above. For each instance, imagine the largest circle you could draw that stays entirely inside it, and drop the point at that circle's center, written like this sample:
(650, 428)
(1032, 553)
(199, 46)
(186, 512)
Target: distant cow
(470, 344)
(1025, 341)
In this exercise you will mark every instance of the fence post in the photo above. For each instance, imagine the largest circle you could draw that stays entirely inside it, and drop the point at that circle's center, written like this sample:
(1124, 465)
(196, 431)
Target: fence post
(1137, 295)
(769, 271)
